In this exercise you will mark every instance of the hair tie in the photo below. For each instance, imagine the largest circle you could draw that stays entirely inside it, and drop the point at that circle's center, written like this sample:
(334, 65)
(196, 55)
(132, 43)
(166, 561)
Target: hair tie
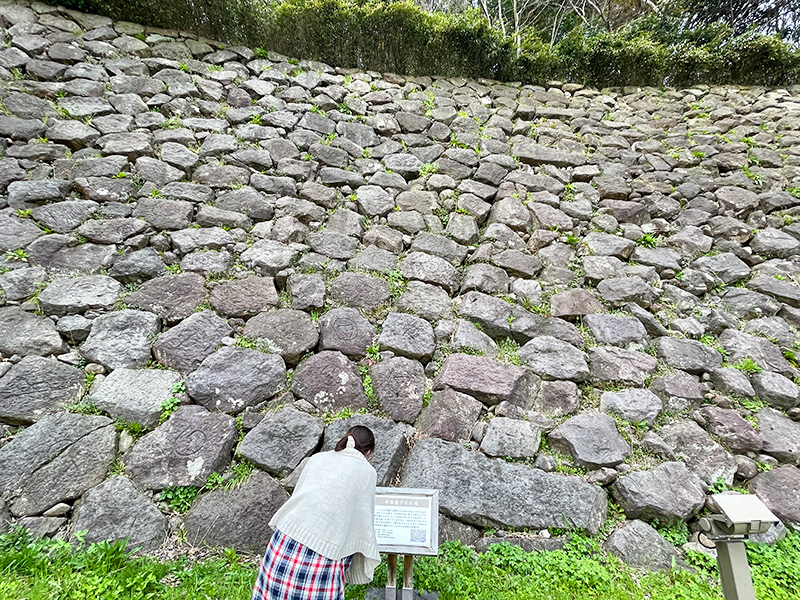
(351, 442)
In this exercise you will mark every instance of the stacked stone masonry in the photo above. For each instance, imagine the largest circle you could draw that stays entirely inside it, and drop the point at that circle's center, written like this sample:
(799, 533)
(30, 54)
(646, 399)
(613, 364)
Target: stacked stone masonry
(540, 299)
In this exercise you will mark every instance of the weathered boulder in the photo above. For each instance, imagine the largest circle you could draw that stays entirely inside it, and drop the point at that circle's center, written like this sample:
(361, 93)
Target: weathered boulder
(493, 493)
(345, 330)
(399, 385)
(639, 545)
(551, 358)
(407, 335)
(558, 398)
(245, 297)
(290, 333)
(80, 466)
(359, 290)
(678, 391)
(768, 356)
(618, 365)
(592, 439)
(34, 446)
(121, 340)
(781, 435)
(668, 493)
(329, 381)
(776, 390)
(703, 456)
(171, 297)
(633, 405)
(281, 440)
(237, 518)
(512, 438)
(79, 294)
(116, 510)
(26, 334)
(450, 415)
(231, 379)
(616, 330)
(185, 450)
(732, 430)
(187, 344)
(688, 355)
(779, 489)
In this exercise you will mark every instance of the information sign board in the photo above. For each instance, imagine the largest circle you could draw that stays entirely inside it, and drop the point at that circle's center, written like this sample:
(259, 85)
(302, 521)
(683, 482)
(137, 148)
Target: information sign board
(407, 521)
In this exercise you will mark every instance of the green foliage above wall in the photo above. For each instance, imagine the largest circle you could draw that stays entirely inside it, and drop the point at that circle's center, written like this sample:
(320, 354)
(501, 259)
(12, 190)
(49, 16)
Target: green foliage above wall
(400, 37)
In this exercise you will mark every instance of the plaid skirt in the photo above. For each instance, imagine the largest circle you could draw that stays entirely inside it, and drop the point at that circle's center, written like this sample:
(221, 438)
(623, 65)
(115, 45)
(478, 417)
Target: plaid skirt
(290, 571)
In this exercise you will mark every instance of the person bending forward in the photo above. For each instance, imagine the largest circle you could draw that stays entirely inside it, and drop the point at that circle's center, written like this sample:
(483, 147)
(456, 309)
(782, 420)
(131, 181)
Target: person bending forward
(324, 534)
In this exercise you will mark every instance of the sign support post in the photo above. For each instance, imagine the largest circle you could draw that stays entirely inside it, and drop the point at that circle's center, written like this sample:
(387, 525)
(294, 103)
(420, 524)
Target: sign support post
(391, 577)
(408, 577)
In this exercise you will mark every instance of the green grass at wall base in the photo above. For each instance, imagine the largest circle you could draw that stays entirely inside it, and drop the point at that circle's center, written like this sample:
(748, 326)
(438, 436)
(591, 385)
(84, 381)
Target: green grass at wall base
(402, 38)
(46, 569)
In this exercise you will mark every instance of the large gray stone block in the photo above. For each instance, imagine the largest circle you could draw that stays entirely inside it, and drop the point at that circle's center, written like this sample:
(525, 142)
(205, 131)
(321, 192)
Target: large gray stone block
(493, 493)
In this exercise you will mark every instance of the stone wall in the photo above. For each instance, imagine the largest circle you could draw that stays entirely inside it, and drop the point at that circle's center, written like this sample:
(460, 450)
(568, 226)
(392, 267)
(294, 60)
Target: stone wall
(539, 299)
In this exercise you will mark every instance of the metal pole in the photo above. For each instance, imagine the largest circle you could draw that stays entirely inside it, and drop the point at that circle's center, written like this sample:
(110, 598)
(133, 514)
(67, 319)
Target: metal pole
(734, 571)
(408, 577)
(391, 577)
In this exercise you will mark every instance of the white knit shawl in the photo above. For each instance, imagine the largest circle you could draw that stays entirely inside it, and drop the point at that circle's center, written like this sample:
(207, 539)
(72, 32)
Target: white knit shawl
(331, 511)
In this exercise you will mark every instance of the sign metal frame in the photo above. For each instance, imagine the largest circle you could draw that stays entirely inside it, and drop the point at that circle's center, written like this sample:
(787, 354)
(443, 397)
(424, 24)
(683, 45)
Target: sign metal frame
(432, 548)
(409, 551)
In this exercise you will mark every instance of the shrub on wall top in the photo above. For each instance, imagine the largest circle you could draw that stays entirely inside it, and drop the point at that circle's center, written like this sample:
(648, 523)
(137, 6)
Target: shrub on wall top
(400, 37)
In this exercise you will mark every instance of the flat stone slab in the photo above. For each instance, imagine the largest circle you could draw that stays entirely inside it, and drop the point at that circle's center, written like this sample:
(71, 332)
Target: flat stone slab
(185, 450)
(37, 386)
(136, 395)
(487, 380)
(27, 334)
(493, 493)
(121, 339)
(35, 446)
(79, 467)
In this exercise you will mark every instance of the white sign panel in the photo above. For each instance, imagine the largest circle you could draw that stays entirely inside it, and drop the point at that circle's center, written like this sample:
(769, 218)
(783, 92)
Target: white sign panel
(407, 521)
